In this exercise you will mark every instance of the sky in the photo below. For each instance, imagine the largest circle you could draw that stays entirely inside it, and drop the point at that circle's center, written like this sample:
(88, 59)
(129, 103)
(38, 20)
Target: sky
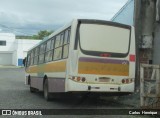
(27, 17)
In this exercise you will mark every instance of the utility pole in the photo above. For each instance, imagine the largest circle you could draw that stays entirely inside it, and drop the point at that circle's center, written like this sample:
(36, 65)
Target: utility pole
(144, 19)
(137, 24)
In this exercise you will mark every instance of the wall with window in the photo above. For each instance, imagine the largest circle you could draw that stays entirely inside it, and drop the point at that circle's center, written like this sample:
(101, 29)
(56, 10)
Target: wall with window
(17, 48)
(7, 42)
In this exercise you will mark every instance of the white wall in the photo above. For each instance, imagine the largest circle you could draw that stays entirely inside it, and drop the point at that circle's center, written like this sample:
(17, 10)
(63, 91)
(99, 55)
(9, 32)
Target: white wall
(24, 45)
(18, 47)
(10, 42)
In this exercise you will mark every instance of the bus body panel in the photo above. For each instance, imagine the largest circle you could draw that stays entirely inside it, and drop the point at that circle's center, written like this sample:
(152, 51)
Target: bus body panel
(102, 73)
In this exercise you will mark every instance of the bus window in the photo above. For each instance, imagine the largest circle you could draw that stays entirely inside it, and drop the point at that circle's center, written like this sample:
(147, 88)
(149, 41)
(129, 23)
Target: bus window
(32, 57)
(44, 48)
(52, 43)
(35, 60)
(48, 47)
(36, 51)
(58, 42)
(103, 40)
(65, 51)
(41, 49)
(48, 56)
(28, 60)
(62, 37)
(66, 37)
(41, 58)
(57, 53)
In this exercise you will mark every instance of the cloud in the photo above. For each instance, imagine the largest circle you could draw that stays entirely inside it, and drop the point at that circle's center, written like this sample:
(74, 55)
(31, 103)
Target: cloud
(37, 14)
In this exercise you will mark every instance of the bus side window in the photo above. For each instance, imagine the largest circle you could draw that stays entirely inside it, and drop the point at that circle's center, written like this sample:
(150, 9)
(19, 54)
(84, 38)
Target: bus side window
(48, 47)
(36, 55)
(66, 37)
(41, 54)
(66, 43)
(48, 56)
(41, 49)
(62, 37)
(52, 43)
(41, 58)
(44, 48)
(28, 60)
(32, 57)
(37, 51)
(57, 53)
(65, 51)
(35, 60)
(58, 41)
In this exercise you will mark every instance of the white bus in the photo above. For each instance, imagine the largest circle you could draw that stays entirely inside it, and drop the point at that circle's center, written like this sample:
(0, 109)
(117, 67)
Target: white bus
(84, 56)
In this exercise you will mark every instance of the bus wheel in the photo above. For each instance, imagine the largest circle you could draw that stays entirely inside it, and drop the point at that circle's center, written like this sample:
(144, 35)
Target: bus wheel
(45, 90)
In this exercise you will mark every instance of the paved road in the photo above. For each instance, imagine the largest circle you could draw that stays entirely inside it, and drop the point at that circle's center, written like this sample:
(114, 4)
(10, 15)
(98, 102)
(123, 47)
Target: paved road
(15, 95)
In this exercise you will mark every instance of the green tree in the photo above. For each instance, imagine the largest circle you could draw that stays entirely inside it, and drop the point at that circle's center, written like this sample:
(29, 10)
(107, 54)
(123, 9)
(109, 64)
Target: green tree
(41, 34)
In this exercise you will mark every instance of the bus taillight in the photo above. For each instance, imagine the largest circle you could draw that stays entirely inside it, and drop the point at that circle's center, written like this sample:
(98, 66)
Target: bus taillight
(73, 77)
(127, 81)
(105, 55)
(83, 79)
(123, 81)
(132, 58)
(78, 78)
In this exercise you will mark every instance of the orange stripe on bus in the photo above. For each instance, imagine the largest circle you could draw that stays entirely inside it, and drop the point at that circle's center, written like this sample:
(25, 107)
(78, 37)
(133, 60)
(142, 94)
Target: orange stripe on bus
(103, 68)
(50, 67)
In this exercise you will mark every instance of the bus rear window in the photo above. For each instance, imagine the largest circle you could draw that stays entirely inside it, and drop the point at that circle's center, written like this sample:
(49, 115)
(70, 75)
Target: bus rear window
(104, 38)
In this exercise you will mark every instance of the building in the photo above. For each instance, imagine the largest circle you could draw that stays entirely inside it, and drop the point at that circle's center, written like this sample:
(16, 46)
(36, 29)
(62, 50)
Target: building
(147, 25)
(12, 50)
(126, 14)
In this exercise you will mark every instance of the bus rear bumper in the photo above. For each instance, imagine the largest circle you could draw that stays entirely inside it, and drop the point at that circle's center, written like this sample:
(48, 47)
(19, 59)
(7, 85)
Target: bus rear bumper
(87, 87)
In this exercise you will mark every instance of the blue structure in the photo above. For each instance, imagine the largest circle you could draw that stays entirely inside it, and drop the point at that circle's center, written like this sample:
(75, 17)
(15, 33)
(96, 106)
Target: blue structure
(126, 14)
(20, 62)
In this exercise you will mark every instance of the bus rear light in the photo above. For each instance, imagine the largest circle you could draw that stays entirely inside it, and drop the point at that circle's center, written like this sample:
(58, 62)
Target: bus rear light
(123, 81)
(132, 58)
(127, 81)
(73, 77)
(83, 79)
(105, 55)
(78, 78)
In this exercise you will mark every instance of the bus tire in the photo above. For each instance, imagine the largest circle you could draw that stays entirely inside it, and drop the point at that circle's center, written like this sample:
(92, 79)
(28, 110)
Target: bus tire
(46, 93)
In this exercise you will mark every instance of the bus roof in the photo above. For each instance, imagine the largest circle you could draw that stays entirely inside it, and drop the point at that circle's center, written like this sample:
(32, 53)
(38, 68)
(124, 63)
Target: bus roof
(69, 24)
(51, 35)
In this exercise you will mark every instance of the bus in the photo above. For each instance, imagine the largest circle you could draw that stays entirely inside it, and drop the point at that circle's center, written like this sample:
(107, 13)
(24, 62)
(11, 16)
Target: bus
(86, 55)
